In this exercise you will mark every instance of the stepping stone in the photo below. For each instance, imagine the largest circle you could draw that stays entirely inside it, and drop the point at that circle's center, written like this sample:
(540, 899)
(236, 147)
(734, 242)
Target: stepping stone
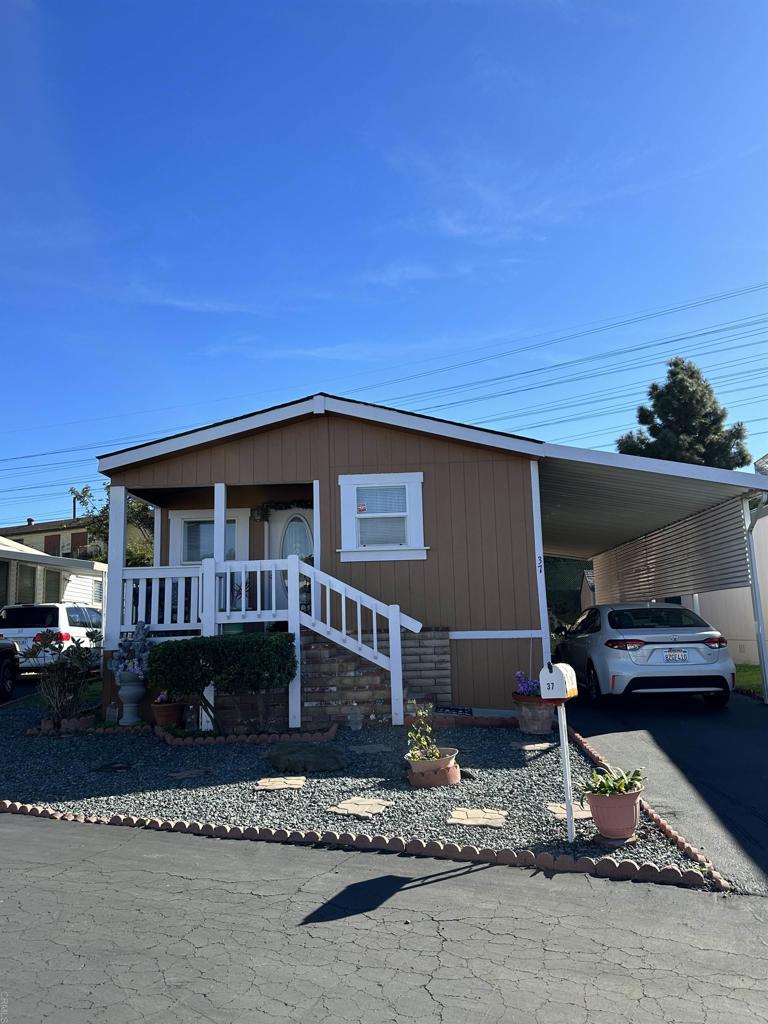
(532, 746)
(360, 807)
(280, 782)
(579, 813)
(369, 748)
(484, 816)
(190, 773)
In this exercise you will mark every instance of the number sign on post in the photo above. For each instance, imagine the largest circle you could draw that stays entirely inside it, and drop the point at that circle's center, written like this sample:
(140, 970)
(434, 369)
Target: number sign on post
(558, 682)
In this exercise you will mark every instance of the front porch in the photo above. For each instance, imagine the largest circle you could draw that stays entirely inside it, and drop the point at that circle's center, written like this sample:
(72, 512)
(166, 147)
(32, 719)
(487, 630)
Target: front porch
(206, 580)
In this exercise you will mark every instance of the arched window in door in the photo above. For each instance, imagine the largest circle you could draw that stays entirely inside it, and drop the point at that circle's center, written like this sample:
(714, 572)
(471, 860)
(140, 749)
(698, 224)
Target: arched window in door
(297, 540)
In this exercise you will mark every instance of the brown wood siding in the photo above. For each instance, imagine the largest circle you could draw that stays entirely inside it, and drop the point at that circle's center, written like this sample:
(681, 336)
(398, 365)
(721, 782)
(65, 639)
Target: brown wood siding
(479, 571)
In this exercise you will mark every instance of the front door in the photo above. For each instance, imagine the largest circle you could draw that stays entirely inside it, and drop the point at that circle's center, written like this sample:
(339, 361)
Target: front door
(290, 533)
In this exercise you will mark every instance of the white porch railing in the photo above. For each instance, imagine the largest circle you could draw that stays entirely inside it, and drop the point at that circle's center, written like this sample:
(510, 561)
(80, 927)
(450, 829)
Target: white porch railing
(198, 600)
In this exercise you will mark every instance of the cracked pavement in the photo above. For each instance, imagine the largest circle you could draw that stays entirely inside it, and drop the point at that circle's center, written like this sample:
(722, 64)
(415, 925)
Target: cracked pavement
(113, 924)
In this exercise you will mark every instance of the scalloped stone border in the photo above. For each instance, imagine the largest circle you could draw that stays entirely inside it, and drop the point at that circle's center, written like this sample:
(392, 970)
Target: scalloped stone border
(602, 867)
(686, 848)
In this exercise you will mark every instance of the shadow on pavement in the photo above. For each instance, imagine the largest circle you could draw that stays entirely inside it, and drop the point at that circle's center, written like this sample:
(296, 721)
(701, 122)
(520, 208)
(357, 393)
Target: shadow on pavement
(367, 896)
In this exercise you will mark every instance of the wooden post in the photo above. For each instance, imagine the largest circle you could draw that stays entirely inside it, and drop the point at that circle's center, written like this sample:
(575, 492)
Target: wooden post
(294, 626)
(219, 521)
(113, 617)
(395, 665)
(157, 536)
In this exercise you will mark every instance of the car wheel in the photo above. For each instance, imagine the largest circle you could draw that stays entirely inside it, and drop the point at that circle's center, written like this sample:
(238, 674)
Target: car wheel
(6, 679)
(593, 691)
(717, 700)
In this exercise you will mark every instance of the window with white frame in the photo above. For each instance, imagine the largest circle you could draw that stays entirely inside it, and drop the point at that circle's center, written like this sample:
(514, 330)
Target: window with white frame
(191, 535)
(382, 517)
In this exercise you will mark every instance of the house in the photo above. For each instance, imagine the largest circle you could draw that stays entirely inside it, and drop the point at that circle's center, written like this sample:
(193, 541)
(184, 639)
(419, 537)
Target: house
(415, 545)
(30, 576)
(59, 537)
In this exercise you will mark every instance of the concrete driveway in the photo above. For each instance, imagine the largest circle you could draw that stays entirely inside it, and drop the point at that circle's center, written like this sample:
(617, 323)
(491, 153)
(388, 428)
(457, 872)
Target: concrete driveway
(109, 924)
(707, 772)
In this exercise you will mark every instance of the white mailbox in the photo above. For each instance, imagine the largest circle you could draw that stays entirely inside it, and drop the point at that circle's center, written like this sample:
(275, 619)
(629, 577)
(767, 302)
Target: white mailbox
(558, 682)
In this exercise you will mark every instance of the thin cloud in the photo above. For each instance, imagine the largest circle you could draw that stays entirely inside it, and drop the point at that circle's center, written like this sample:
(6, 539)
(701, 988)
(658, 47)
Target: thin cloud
(395, 275)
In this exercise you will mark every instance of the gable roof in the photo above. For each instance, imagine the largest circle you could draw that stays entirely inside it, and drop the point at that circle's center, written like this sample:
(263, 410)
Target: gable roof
(323, 403)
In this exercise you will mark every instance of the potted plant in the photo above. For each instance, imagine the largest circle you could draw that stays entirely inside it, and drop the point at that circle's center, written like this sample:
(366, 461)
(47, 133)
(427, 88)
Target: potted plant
(613, 796)
(534, 714)
(129, 664)
(428, 763)
(167, 709)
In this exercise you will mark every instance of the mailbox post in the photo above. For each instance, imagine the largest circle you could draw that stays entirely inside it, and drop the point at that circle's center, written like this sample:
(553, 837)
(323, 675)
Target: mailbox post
(558, 683)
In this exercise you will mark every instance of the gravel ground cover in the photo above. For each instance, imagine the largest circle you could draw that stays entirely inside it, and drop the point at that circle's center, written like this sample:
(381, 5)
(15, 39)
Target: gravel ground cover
(139, 775)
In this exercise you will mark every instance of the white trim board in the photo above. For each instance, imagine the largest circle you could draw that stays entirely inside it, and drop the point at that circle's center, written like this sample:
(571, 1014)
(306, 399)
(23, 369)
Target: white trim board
(494, 634)
(321, 404)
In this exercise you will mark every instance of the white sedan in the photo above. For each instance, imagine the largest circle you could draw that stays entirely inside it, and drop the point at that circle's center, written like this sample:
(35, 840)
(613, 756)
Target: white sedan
(649, 648)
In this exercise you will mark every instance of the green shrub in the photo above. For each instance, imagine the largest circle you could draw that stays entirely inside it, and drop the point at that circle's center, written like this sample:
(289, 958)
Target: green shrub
(237, 665)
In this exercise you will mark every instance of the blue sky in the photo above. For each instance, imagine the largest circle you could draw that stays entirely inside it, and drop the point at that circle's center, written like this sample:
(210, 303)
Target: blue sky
(206, 208)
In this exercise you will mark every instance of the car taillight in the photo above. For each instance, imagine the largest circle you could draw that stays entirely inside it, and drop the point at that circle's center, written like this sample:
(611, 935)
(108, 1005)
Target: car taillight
(716, 642)
(58, 638)
(625, 645)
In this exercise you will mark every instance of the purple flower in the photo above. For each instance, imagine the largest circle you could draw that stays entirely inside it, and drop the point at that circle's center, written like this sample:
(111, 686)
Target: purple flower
(527, 687)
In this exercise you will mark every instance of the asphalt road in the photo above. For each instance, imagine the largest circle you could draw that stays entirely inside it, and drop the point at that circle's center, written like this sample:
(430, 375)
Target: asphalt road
(103, 924)
(707, 772)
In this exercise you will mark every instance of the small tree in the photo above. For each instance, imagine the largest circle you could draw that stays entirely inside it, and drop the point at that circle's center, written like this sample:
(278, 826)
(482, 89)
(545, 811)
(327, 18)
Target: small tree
(685, 423)
(139, 515)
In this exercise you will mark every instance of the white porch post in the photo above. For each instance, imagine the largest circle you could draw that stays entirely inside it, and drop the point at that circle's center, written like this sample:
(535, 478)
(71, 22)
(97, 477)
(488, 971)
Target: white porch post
(157, 536)
(316, 539)
(546, 646)
(395, 665)
(750, 521)
(208, 589)
(118, 509)
(294, 626)
(219, 521)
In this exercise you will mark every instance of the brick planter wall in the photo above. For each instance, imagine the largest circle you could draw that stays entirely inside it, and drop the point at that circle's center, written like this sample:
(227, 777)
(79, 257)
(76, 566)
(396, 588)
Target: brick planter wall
(333, 678)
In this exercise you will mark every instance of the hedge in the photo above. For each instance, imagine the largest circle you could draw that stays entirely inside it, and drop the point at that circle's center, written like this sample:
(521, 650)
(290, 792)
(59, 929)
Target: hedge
(239, 664)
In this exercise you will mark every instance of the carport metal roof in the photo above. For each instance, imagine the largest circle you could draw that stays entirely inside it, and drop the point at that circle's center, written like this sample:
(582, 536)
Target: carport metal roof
(592, 502)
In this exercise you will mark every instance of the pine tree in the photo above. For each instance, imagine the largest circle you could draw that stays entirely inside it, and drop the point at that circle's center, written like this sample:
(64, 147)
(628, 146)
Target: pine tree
(685, 423)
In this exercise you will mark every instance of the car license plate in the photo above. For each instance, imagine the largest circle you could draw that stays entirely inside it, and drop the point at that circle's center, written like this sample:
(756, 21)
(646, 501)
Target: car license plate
(674, 655)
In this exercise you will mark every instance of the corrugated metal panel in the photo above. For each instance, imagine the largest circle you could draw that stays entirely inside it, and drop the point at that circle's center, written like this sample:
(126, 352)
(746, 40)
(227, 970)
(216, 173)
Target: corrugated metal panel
(704, 552)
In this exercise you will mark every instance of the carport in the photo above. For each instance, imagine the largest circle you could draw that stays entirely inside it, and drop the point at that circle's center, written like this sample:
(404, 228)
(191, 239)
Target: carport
(654, 529)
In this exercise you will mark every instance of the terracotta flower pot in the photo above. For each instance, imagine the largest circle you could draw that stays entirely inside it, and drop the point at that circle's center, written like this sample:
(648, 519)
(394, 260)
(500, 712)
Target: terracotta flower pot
(616, 816)
(439, 771)
(534, 715)
(446, 759)
(168, 713)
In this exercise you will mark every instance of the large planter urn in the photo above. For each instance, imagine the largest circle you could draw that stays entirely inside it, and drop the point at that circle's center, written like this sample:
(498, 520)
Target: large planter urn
(534, 715)
(130, 689)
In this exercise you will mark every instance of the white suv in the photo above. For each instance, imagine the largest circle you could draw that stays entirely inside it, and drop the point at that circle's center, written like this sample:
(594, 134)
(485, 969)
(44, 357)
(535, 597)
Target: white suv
(21, 623)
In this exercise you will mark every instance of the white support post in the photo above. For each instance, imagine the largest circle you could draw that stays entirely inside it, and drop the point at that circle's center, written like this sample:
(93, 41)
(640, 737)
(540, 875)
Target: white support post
(219, 521)
(209, 627)
(395, 664)
(294, 626)
(750, 522)
(157, 537)
(118, 509)
(546, 647)
(316, 539)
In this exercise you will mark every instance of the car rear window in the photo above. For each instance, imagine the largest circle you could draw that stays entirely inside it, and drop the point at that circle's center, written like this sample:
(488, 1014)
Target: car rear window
(30, 616)
(654, 618)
